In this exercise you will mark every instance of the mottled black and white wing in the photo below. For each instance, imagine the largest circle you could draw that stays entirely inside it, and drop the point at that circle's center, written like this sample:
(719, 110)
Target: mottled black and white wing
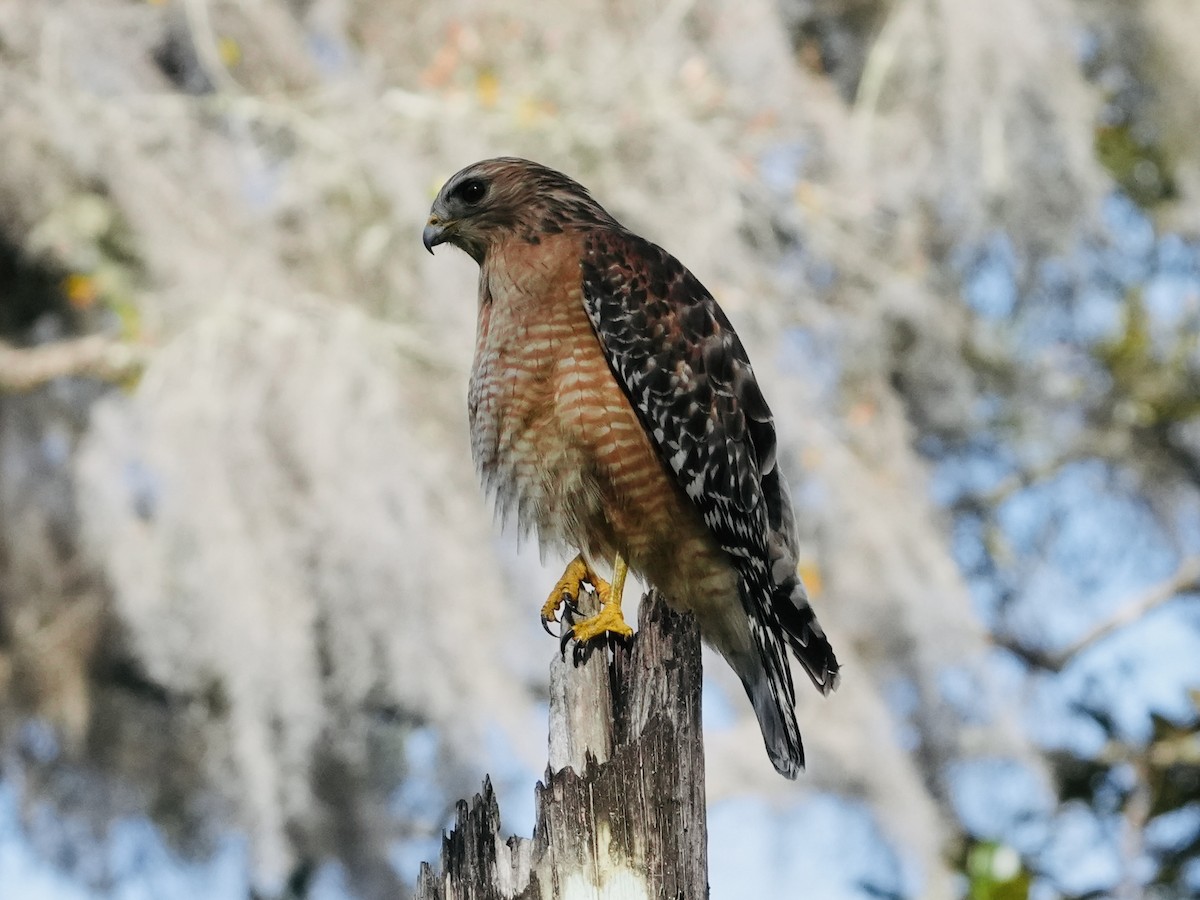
(686, 373)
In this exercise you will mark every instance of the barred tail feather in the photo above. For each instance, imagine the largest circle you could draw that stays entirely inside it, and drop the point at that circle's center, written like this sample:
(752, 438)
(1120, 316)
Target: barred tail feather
(776, 717)
(785, 622)
(804, 634)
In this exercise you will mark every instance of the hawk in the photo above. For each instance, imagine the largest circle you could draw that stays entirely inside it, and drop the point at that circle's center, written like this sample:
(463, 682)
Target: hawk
(614, 410)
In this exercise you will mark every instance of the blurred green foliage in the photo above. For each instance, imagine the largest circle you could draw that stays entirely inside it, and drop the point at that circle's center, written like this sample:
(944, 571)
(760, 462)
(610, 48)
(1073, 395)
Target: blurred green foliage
(995, 872)
(1154, 381)
(1139, 167)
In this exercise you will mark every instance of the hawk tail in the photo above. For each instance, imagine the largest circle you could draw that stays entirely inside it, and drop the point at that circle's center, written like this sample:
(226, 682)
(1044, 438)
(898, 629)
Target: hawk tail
(788, 623)
(804, 634)
(776, 717)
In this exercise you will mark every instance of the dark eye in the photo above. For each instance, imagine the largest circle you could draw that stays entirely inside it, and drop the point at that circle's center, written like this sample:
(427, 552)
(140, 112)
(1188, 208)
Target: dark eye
(471, 191)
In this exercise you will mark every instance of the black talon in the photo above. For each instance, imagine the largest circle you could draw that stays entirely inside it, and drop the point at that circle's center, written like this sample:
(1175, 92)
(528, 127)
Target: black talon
(546, 626)
(565, 639)
(573, 616)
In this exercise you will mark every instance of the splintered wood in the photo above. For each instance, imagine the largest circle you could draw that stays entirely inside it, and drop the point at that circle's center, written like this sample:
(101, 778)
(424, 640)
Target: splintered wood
(620, 814)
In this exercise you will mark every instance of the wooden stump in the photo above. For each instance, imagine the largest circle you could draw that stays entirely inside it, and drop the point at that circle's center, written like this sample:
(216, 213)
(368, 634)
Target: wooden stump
(620, 814)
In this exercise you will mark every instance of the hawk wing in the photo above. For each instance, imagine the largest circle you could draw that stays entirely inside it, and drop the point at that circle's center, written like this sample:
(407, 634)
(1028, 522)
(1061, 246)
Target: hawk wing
(686, 373)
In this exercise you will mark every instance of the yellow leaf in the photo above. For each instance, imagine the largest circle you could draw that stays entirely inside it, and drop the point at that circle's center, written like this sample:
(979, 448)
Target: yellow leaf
(229, 50)
(80, 290)
(487, 88)
(810, 574)
(530, 110)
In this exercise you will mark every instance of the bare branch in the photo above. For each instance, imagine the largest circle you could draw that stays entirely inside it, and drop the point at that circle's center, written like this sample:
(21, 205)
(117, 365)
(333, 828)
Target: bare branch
(1186, 578)
(1133, 837)
(94, 356)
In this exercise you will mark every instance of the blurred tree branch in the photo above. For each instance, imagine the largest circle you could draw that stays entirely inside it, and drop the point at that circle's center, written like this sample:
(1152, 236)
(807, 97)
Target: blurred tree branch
(94, 356)
(206, 44)
(1186, 578)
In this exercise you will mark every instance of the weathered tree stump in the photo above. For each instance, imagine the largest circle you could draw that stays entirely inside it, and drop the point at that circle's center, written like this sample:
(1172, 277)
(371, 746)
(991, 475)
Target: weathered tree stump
(621, 813)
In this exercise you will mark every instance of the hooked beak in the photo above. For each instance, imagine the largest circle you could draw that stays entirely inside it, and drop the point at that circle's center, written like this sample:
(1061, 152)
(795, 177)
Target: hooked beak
(434, 233)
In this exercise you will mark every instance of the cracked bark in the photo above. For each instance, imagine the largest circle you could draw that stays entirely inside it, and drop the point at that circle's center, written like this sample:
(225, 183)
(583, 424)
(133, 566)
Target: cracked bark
(620, 812)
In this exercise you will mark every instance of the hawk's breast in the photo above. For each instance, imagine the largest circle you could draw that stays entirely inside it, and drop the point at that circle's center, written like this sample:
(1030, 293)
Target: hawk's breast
(557, 441)
(546, 417)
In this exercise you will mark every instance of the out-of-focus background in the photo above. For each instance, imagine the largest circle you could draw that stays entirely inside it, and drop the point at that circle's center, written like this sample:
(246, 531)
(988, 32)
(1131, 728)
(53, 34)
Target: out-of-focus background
(258, 631)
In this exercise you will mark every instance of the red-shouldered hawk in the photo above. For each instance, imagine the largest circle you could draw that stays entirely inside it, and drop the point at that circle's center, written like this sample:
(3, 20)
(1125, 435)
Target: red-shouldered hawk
(614, 410)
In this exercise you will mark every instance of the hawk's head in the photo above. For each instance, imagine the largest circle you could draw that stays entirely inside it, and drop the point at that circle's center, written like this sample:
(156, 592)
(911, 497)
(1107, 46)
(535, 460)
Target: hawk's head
(498, 198)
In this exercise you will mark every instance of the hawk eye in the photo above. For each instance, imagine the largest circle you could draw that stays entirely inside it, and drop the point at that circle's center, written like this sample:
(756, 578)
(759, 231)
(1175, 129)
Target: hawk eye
(471, 191)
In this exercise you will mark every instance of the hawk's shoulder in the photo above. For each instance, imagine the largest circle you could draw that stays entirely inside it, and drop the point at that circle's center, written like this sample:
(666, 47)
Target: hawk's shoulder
(687, 375)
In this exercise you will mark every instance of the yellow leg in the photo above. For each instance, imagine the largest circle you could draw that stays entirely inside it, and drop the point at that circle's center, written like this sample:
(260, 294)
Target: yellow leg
(609, 620)
(567, 589)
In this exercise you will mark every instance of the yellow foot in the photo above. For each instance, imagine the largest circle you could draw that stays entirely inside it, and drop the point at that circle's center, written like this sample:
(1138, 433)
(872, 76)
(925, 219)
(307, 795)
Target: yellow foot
(608, 621)
(598, 628)
(567, 590)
